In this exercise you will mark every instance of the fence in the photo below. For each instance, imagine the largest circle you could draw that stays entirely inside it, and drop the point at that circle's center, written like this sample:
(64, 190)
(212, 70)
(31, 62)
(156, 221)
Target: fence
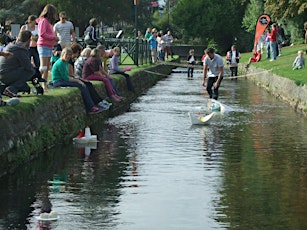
(134, 51)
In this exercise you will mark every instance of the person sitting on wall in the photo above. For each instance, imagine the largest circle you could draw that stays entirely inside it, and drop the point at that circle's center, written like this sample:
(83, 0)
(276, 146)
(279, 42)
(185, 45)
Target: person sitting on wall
(61, 78)
(93, 71)
(114, 68)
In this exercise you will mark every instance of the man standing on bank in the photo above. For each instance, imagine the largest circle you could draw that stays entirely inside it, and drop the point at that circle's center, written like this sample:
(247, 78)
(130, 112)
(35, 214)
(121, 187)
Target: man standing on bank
(65, 31)
(213, 70)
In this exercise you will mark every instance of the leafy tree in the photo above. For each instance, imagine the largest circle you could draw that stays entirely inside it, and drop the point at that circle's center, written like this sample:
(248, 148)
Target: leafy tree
(253, 10)
(215, 21)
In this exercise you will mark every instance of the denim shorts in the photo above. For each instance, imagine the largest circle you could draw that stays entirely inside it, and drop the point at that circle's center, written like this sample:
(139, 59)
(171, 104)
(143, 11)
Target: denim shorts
(44, 51)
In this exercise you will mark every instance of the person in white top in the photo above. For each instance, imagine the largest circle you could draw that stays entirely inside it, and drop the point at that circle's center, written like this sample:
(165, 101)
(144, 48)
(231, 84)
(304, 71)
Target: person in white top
(168, 38)
(31, 26)
(214, 70)
(65, 31)
(233, 57)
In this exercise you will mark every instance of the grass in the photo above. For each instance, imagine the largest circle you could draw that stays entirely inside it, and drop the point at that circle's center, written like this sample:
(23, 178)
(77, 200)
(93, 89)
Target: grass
(28, 101)
(283, 65)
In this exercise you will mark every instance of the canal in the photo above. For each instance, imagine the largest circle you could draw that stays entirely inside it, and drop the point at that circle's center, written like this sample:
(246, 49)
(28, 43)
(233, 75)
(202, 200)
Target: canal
(152, 169)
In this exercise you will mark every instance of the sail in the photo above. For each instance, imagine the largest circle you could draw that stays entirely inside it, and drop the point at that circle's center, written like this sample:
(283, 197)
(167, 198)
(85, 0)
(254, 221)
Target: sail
(262, 23)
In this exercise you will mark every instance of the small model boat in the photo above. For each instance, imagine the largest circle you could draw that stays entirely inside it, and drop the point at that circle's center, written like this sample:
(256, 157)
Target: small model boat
(198, 119)
(85, 137)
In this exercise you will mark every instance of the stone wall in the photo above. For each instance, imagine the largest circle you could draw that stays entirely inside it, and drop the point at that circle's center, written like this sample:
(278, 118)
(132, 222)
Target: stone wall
(26, 134)
(282, 88)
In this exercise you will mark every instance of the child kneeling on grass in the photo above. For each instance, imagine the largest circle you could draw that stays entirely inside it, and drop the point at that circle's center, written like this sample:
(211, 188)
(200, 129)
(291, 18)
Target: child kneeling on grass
(299, 61)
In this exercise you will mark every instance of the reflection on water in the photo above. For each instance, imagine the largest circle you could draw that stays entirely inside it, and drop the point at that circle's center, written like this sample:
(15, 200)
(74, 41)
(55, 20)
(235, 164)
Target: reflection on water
(152, 169)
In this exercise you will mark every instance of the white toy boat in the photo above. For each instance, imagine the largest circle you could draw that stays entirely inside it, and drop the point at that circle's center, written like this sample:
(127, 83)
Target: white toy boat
(215, 105)
(85, 137)
(198, 119)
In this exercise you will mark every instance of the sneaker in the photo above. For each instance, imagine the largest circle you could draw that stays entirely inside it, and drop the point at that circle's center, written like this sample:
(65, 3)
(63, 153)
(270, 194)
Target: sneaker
(103, 106)
(95, 110)
(104, 103)
(272, 60)
(10, 94)
(12, 101)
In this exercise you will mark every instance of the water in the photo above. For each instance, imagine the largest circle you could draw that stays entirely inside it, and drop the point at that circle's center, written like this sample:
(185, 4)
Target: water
(153, 170)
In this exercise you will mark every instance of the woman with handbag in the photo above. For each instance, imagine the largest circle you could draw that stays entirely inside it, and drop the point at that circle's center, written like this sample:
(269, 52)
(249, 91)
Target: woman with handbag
(90, 38)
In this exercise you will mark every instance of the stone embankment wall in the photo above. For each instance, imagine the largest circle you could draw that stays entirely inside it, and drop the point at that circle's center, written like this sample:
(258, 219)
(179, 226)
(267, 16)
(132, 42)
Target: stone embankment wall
(26, 134)
(282, 88)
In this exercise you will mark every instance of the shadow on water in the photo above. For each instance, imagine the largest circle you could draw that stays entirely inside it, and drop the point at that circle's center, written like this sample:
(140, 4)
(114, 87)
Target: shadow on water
(152, 169)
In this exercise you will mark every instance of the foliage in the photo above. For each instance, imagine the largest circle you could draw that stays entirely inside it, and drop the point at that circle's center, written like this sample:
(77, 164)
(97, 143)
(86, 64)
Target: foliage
(283, 65)
(253, 10)
(211, 20)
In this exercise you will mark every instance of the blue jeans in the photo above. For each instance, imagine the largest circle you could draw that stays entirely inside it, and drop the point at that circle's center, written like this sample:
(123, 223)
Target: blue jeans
(273, 49)
(268, 50)
(89, 104)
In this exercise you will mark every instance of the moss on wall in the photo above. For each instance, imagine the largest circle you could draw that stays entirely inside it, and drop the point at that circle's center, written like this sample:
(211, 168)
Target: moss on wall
(41, 122)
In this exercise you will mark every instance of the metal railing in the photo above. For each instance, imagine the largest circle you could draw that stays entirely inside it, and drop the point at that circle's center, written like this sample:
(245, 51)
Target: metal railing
(133, 51)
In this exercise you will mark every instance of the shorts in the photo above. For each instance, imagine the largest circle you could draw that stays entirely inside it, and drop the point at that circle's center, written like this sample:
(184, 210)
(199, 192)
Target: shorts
(44, 51)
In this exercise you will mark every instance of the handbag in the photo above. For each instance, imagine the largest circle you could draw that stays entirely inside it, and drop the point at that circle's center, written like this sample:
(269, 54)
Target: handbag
(88, 39)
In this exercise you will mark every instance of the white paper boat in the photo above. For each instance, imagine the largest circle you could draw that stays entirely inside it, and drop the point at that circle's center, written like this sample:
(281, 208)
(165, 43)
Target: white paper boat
(47, 219)
(86, 137)
(84, 140)
(198, 119)
(217, 106)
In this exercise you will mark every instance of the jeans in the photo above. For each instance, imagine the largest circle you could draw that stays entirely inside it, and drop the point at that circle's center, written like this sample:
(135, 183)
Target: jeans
(128, 80)
(273, 48)
(234, 70)
(190, 71)
(161, 55)
(16, 80)
(210, 82)
(89, 104)
(268, 50)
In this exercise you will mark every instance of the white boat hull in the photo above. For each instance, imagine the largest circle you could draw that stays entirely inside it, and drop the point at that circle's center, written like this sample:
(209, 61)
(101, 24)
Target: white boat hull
(197, 119)
(84, 140)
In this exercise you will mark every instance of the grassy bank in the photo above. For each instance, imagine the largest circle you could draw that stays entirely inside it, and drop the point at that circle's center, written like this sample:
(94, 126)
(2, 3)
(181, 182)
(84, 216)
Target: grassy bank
(283, 65)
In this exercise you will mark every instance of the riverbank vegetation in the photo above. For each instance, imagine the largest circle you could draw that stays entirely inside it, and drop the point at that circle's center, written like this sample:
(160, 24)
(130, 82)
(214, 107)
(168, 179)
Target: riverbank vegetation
(218, 23)
(283, 65)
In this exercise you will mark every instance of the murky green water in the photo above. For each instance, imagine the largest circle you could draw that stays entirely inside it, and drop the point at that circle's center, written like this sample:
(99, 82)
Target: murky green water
(153, 170)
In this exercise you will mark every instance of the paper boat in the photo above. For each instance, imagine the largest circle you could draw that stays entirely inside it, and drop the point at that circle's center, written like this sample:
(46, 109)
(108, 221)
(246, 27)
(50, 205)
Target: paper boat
(198, 119)
(217, 106)
(85, 137)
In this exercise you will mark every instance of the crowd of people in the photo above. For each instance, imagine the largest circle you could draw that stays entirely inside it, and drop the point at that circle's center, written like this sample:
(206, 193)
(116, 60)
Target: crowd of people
(160, 43)
(44, 46)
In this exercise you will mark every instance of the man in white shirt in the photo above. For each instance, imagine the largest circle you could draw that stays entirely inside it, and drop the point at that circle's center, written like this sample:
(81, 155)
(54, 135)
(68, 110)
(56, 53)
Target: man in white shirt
(65, 31)
(233, 57)
(168, 38)
(213, 70)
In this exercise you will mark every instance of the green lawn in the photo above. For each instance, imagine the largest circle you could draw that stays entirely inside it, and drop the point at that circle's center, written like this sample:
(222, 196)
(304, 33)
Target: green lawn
(283, 65)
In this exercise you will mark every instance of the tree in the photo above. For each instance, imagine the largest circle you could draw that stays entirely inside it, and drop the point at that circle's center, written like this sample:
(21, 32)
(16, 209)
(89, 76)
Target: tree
(216, 21)
(253, 10)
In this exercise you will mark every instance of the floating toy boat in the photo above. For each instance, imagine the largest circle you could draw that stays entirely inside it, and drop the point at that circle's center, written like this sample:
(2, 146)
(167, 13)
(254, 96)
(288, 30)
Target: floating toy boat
(85, 137)
(52, 216)
(198, 119)
(215, 105)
